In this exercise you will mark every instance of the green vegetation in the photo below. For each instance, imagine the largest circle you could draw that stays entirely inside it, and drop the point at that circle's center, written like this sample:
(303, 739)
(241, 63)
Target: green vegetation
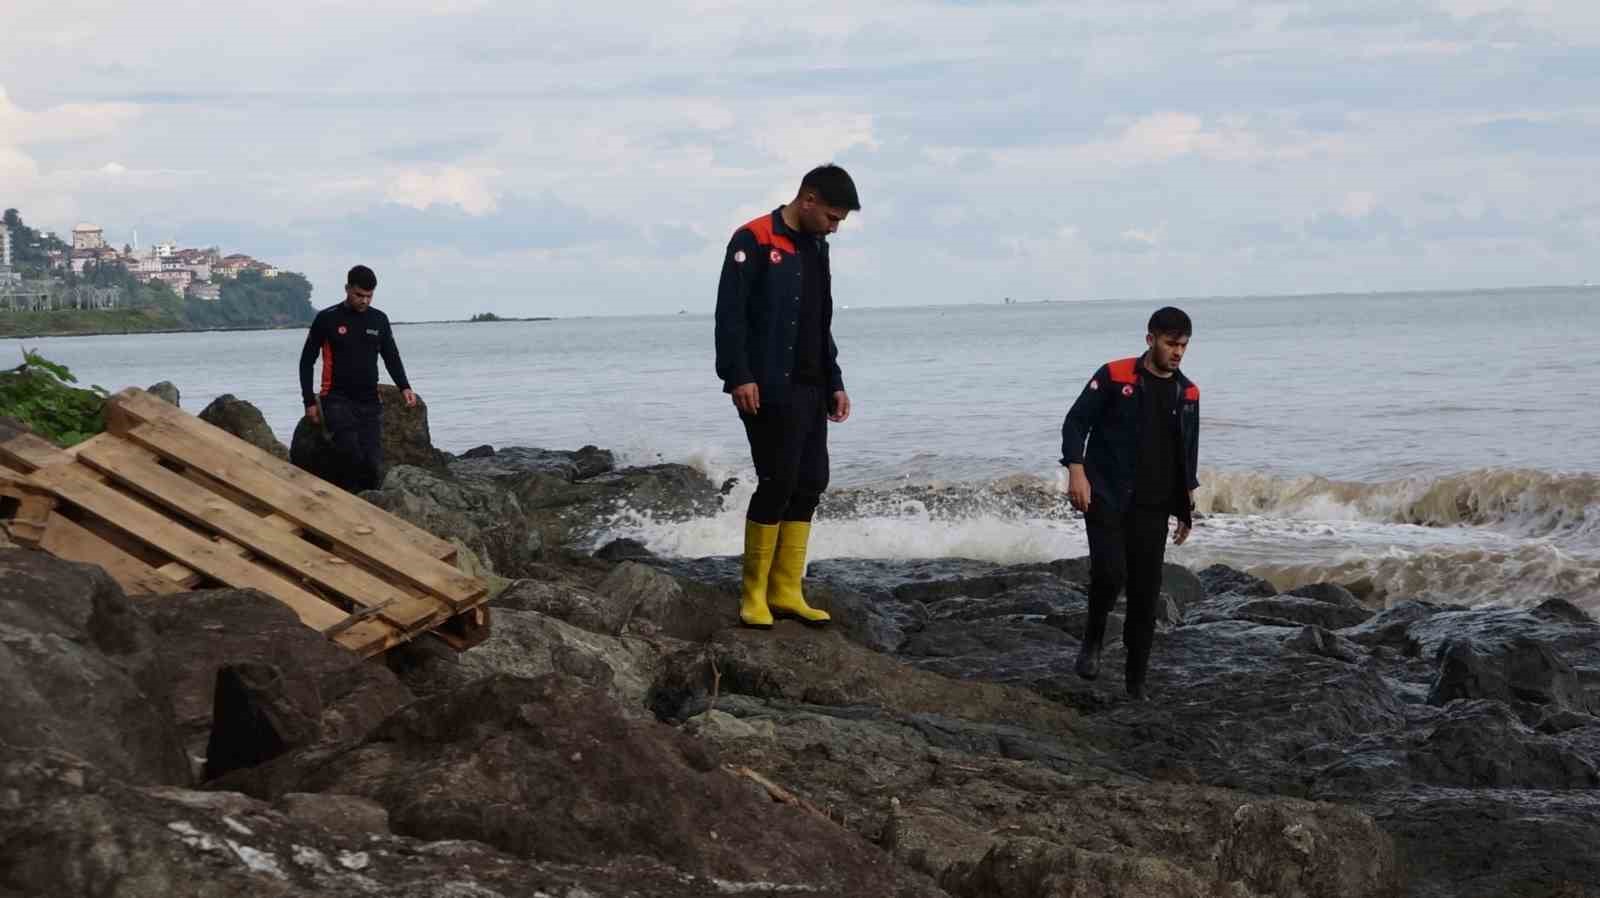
(251, 300)
(84, 321)
(30, 248)
(486, 316)
(39, 393)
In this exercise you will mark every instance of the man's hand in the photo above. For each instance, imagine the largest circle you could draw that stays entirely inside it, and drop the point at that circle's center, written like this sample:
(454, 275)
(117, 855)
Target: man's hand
(314, 412)
(1180, 534)
(410, 397)
(1078, 491)
(747, 398)
(841, 407)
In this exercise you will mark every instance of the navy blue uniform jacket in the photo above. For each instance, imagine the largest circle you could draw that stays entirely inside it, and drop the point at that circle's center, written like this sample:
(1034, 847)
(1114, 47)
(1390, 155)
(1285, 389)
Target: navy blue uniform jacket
(758, 309)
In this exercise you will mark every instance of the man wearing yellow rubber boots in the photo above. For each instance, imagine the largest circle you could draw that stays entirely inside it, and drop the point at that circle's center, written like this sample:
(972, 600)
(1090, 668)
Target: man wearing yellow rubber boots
(777, 359)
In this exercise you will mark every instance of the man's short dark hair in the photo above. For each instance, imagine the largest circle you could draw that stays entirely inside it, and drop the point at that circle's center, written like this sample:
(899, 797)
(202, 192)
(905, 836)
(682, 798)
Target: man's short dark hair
(833, 187)
(1171, 321)
(362, 278)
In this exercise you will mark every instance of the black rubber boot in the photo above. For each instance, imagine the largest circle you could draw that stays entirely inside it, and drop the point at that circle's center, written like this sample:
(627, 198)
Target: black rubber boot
(1094, 635)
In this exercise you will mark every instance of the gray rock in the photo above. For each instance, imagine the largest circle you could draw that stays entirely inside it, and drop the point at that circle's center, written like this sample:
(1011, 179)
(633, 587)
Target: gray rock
(484, 517)
(166, 391)
(338, 813)
(1219, 579)
(406, 438)
(1332, 593)
(244, 421)
(508, 464)
(1297, 609)
(81, 672)
(1519, 671)
(1319, 641)
(202, 632)
(258, 716)
(549, 769)
(624, 549)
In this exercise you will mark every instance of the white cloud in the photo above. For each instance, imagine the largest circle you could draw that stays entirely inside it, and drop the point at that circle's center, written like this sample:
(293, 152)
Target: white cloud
(66, 122)
(1358, 204)
(448, 185)
(808, 134)
(980, 135)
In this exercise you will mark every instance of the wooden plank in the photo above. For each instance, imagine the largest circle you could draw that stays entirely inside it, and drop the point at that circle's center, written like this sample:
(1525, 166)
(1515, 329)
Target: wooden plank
(27, 453)
(65, 539)
(133, 406)
(33, 515)
(465, 630)
(137, 468)
(365, 535)
(79, 486)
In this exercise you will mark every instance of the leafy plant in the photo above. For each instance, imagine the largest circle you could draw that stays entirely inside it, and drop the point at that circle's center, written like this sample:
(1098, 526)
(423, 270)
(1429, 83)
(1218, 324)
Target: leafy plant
(39, 393)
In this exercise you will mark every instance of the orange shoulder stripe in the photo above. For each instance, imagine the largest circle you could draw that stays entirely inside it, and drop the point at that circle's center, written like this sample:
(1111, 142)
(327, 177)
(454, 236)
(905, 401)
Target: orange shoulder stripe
(1124, 371)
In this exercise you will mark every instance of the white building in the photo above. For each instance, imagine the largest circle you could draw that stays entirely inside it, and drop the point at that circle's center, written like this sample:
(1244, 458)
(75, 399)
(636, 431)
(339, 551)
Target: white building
(88, 236)
(165, 249)
(205, 292)
(5, 247)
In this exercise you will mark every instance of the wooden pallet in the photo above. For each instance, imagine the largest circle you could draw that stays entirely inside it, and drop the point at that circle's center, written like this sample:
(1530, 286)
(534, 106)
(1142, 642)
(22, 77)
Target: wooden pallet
(166, 502)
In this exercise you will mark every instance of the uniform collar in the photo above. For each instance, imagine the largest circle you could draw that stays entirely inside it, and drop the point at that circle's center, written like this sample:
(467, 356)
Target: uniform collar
(1143, 372)
(779, 226)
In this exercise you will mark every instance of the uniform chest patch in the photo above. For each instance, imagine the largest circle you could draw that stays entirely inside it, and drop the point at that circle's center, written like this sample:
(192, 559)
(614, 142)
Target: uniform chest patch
(1127, 389)
(1094, 384)
(738, 256)
(776, 257)
(343, 330)
(372, 333)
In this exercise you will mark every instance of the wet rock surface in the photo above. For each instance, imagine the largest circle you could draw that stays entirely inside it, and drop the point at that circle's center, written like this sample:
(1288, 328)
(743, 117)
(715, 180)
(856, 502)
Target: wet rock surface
(617, 735)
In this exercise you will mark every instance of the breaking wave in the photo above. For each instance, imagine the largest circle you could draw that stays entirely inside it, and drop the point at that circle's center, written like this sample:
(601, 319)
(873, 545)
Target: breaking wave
(1522, 502)
(1495, 536)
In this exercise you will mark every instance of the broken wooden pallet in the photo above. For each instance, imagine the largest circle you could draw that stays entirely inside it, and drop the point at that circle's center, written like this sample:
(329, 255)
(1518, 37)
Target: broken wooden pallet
(166, 502)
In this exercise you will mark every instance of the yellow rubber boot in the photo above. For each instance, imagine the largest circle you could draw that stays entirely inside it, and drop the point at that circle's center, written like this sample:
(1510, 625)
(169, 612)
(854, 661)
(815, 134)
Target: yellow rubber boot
(760, 543)
(784, 597)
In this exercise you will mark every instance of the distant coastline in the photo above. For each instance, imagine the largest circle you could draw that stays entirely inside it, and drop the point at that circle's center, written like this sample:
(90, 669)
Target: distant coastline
(166, 327)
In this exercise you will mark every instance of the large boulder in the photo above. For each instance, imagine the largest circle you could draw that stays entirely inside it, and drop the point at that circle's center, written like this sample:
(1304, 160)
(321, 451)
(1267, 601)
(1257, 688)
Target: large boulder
(507, 465)
(258, 716)
(1219, 579)
(82, 673)
(1520, 671)
(203, 632)
(244, 421)
(406, 439)
(574, 499)
(529, 644)
(68, 830)
(484, 517)
(166, 391)
(549, 769)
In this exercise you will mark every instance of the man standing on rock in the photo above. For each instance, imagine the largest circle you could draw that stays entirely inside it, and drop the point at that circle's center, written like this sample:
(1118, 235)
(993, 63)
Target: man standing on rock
(1140, 419)
(350, 337)
(777, 359)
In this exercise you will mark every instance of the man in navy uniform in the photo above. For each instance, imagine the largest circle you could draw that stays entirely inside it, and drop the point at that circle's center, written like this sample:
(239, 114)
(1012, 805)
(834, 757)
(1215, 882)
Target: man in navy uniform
(1131, 444)
(350, 338)
(777, 360)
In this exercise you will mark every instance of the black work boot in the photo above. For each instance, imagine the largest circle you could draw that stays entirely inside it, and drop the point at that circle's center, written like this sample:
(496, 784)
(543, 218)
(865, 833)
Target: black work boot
(1137, 691)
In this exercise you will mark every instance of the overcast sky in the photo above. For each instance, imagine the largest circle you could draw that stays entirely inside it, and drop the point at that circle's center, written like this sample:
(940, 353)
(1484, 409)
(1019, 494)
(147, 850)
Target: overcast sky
(532, 158)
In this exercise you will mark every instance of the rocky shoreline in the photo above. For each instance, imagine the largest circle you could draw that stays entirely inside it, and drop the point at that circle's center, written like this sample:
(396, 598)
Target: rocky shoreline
(616, 736)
